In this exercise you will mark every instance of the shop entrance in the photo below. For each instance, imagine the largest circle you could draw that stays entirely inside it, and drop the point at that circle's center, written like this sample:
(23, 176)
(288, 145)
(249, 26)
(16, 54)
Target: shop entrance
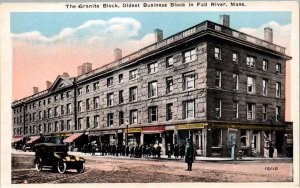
(279, 142)
(152, 138)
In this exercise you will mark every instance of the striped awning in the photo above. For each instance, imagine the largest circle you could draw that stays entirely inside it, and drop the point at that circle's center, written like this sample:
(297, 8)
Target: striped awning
(16, 139)
(33, 139)
(73, 137)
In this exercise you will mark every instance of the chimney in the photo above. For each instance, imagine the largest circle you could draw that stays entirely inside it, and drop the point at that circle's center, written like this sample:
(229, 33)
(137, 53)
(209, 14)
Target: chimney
(225, 20)
(268, 34)
(118, 54)
(65, 74)
(80, 70)
(35, 90)
(158, 35)
(48, 84)
(87, 67)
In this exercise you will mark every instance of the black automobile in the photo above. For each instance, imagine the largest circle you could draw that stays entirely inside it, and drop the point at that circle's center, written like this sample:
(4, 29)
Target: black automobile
(56, 156)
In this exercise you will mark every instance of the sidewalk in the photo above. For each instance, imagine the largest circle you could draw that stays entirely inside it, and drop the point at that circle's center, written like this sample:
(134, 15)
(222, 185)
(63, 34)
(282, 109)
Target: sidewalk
(165, 157)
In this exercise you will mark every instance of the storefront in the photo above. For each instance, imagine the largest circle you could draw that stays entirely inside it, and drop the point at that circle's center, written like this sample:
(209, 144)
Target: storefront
(133, 136)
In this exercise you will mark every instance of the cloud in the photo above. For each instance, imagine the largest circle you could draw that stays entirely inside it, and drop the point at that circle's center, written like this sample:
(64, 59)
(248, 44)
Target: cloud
(281, 33)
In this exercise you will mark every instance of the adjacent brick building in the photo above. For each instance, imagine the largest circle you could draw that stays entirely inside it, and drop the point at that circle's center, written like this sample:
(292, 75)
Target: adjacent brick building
(210, 82)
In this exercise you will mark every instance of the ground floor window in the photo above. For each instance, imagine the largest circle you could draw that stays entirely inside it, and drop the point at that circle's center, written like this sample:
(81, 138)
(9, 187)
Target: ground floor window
(216, 137)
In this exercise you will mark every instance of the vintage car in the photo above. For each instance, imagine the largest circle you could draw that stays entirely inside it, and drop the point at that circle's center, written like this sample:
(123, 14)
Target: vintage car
(56, 156)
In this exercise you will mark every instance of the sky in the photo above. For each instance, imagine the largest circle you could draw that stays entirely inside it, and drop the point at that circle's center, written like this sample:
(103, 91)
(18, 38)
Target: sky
(47, 44)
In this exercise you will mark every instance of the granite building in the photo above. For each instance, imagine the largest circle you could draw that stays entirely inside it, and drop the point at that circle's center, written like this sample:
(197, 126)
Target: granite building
(214, 84)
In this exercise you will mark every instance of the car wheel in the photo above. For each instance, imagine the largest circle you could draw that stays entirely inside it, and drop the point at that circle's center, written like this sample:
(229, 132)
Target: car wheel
(61, 167)
(38, 164)
(80, 168)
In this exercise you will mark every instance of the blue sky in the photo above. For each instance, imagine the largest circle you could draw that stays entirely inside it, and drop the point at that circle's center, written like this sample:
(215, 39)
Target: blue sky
(51, 23)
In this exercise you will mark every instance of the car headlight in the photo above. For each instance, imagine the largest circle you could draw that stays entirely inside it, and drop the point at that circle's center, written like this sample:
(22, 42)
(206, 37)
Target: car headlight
(67, 158)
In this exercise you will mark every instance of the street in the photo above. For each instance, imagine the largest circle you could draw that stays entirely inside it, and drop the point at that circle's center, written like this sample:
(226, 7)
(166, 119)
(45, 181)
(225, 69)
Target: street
(109, 169)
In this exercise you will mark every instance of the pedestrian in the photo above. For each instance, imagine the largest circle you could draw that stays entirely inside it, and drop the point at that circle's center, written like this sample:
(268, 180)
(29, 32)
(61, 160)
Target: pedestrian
(181, 150)
(189, 154)
(176, 150)
(169, 150)
(158, 150)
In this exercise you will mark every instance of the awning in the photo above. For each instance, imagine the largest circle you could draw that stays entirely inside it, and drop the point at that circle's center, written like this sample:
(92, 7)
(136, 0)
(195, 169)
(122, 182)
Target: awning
(33, 139)
(16, 139)
(73, 137)
(156, 129)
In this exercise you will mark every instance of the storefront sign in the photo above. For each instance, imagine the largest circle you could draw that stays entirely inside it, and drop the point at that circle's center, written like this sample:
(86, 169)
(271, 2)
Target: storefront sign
(191, 126)
(154, 129)
(167, 128)
(252, 127)
(133, 130)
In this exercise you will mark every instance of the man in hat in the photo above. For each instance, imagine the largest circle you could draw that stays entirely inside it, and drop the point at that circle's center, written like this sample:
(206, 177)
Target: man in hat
(189, 154)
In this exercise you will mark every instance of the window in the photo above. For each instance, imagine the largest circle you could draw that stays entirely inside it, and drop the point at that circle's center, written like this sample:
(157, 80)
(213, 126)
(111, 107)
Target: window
(250, 111)
(250, 84)
(235, 57)
(169, 111)
(49, 127)
(110, 99)
(49, 100)
(33, 117)
(87, 88)
(56, 111)
(110, 119)
(169, 85)
(62, 111)
(121, 99)
(87, 104)
(188, 81)
(56, 126)
(62, 126)
(217, 53)
(61, 96)
(265, 65)
(88, 125)
(189, 109)
(170, 62)
(79, 106)
(152, 114)
(133, 116)
(218, 78)
(132, 74)
(278, 113)
(250, 61)
(40, 103)
(152, 68)
(265, 112)
(68, 124)
(68, 94)
(80, 91)
(110, 81)
(120, 78)
(235, 81)
(278, 68)
(235, 109)
(79, 125)
(49, 113)
(132, 94)
(152, 89)
(218, 108)
(96, 86)
(121, 118)
(265, 87)
(190, 55)
(278, 89)
(69, 108)
(96, 102)
(96, 121)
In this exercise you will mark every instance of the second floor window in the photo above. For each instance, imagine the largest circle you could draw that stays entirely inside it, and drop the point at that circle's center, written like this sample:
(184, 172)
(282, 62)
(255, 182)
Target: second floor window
(68, 125)
(250, 84)
(152, 114)
(110, 99)
(169, 111)
(152, 89)
(110, 81)
(132, 94)
(110, 119)
(133, 116)
(250, 61)
(188, 109)
(152, 68)
(169, 85)
(121, 118)
(218, 108)
(278, 109)
(88, 125)
(188, 81)
(265, 65)
(96, 102)
(133, 74)
(250, 111)
(96, 121)
(265, 87)
(235, 109)
(218, 78)
(121, 98)
(217, 53)
(235, 78)
(190, 55)
(278, 89)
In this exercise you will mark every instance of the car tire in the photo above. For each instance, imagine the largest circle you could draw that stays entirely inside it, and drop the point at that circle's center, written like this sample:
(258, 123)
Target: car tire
(80, 168)
(39, 165)
(61, 167)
